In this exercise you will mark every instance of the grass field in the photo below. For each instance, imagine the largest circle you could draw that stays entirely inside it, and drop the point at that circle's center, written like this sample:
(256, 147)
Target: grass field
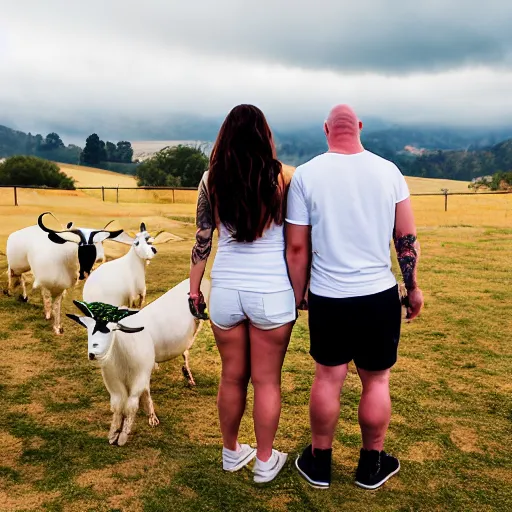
(91, 177)
(451, 388)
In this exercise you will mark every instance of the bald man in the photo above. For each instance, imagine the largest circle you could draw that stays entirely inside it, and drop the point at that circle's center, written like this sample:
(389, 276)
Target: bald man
(344, 207)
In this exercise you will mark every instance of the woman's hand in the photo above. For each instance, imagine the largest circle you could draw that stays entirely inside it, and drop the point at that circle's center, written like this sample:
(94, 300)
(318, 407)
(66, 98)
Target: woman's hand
(197, 305)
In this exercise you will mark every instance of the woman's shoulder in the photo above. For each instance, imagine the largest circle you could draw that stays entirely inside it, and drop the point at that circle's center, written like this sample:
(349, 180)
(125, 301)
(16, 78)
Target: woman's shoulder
(287, 173)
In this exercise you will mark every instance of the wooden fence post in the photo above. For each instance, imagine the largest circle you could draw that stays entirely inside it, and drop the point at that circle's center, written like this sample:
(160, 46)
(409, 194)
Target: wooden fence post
(117, 194)
(173, 195)
(103, 193)
(15, 196)
(445, 192)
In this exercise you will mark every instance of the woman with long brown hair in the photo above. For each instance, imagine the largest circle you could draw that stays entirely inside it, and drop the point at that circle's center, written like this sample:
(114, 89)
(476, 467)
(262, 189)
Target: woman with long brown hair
(252, 306)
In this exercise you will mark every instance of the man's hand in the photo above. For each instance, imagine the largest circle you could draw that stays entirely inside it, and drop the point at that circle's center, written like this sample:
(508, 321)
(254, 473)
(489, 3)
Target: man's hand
(413, 302)
(303, 305)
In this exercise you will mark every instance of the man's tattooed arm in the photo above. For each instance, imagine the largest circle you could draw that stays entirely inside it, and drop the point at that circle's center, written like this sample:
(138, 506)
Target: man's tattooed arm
(408, 252)
(205, 226)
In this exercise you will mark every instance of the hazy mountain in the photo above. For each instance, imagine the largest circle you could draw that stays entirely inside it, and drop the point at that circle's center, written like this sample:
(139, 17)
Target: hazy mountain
(420, 150)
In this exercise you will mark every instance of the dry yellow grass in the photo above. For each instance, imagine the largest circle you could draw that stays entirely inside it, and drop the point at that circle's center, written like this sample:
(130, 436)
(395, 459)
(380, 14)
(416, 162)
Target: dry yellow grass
(451, 386)
(91, 177)
(472, 210)
(434, 186)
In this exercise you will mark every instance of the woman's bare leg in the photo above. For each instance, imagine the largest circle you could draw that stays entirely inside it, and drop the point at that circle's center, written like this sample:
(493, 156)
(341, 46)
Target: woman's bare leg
(233, 346)
(268, 349)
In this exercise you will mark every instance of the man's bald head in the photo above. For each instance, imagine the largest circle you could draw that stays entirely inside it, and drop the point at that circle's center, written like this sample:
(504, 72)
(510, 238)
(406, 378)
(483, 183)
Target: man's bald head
(342, 129)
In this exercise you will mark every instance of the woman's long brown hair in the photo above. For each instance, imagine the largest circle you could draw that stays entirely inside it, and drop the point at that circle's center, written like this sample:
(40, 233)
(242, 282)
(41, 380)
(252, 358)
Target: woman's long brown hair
(244, 180)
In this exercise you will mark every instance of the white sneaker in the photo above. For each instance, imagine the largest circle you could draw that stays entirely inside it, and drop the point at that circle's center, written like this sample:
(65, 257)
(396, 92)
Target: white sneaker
(267, 471)
(235, 460)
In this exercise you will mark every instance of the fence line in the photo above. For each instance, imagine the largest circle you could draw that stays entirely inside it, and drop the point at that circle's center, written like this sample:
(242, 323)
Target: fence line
(173, 189)
(117, 189)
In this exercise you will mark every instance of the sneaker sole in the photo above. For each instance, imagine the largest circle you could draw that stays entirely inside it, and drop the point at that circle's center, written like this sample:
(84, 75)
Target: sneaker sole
(242, 463)
(378, 484)
(282, 461)
(312, 483)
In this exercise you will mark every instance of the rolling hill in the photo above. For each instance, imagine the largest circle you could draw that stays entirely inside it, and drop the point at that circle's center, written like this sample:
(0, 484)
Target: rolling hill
(91, 177)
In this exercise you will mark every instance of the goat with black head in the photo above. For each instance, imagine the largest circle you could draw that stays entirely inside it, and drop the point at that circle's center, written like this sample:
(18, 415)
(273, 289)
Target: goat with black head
(126, 344)
(57, 258)
(85, 238)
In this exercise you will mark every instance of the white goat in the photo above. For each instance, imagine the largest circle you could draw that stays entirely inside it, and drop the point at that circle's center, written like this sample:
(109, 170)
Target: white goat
(127, 343)
(55, 264)
(122, 282)
(100, 253)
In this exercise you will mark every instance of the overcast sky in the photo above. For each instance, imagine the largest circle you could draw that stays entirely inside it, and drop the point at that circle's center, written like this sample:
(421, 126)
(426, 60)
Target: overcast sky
(74, 64)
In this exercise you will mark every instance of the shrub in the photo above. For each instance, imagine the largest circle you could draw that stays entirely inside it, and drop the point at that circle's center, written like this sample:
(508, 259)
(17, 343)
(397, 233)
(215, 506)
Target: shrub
(34, 171)
(179, 166)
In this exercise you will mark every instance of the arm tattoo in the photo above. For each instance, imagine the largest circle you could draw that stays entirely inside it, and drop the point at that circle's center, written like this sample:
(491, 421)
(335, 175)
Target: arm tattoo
(204, 222)
(407, 251)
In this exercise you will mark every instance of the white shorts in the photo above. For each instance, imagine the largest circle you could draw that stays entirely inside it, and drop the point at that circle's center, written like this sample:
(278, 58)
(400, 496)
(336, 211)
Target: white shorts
(266, 311)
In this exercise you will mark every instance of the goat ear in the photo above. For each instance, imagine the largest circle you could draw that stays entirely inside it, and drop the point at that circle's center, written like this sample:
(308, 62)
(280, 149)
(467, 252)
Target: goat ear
(129, 330)
(76, 319)
(82, 306)
(130, 312)
(123, 238)
(163, 237)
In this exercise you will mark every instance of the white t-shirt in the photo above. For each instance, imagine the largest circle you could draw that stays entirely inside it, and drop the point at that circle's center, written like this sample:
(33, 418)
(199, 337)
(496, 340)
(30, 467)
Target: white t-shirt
(349, 201)
(258, 266)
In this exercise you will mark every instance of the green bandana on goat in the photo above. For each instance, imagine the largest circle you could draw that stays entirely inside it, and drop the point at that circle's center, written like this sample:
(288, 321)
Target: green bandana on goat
(106, 312)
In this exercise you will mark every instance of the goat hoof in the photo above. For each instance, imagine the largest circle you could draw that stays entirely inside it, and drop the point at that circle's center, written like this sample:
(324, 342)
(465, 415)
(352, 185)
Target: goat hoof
(22, 299)
(112, 439)
(153, 421)
(6, 292)
(58, 331)
(188, 376)
(121, 440)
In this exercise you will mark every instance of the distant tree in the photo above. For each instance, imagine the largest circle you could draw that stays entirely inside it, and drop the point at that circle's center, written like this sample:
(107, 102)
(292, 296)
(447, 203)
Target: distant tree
(111, 150)
(94, 151)
(30, 170)
(39, 141)
(172, 167)
(124, 152)
(52, 141)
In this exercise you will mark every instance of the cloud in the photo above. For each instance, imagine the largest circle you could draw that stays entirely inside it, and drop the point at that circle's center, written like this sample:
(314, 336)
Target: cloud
(119, 64)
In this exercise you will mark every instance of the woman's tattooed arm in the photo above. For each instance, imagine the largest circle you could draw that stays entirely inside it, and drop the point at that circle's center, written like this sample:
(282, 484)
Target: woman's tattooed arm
(408, 252)
(205, 226)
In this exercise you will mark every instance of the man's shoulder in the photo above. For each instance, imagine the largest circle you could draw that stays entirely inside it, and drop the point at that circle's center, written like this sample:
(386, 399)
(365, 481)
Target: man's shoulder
(381, 161)
(317, 160)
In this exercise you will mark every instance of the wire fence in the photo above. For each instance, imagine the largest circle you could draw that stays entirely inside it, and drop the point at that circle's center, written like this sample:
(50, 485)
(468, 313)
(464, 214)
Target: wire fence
(187, 194)
(113, 194)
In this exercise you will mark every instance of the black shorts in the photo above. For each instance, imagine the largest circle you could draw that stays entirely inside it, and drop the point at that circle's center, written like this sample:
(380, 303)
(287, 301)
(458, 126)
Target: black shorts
(363, 329)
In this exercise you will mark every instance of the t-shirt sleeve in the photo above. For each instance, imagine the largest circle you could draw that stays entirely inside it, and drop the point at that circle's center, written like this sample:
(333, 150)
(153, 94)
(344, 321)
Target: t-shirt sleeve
(297, 210)
(401, 189)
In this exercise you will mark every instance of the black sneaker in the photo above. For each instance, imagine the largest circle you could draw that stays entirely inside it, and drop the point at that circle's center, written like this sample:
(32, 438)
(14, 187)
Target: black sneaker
(375, 468)
(315, 469)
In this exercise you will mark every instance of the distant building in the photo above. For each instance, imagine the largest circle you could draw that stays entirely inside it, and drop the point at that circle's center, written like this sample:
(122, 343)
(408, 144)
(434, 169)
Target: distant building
(414, 150)
(482, 179)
